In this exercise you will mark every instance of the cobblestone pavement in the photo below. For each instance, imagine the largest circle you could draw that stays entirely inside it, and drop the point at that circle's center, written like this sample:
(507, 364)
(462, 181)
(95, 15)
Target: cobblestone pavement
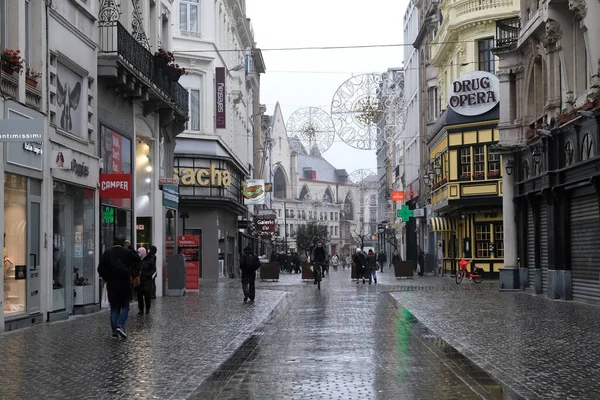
(347, 341)
(540, 347)
(169, 352)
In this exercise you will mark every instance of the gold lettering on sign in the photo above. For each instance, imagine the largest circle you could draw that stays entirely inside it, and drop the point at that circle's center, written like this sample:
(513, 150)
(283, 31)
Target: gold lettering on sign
(203, 176)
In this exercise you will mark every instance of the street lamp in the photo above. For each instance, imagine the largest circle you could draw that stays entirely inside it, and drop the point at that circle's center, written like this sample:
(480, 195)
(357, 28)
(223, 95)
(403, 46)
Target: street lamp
(509, 167)
(184, 215)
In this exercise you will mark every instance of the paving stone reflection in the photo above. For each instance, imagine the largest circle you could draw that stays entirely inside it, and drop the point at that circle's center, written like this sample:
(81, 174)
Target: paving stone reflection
(347, 341)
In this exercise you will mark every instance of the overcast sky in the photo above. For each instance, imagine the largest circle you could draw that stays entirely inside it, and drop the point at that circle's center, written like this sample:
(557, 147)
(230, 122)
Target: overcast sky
(309, 78)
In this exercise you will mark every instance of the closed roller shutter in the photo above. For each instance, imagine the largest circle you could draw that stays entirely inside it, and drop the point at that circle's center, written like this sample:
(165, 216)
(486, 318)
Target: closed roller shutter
(530, 245)
(585, 247)
(544, 245)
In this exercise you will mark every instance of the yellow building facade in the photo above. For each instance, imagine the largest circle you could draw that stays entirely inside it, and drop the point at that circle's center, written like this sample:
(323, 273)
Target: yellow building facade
(466, 184)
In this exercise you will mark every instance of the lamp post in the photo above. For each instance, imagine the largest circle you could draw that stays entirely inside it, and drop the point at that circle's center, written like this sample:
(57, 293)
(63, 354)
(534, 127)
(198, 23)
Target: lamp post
(184, 215)
(169, 217)
(284, 228)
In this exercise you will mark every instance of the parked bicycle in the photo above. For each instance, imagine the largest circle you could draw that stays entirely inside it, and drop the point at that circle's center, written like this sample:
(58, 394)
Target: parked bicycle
(476, 275)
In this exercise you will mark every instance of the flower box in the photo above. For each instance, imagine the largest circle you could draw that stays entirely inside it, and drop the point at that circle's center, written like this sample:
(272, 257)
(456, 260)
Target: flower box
(31, 82)
(173, 73)
(12, 61)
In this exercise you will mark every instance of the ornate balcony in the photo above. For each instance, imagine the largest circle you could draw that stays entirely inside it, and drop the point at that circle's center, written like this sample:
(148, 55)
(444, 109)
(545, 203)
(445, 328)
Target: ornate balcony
(507, 33)
(10, 86)
(130, 68)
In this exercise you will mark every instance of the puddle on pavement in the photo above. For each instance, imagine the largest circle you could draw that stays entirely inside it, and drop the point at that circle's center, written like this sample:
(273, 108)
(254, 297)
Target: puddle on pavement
(476, 377)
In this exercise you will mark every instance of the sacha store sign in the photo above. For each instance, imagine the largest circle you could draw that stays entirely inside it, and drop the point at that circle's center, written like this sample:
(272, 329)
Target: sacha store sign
(474, 93)
(210, 176)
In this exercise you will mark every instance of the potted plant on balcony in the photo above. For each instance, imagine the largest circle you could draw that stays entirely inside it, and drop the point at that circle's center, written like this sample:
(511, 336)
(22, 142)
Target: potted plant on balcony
(494, 174)
(12, 61)
(465, 176)
(479, 175)
(32, 76)
(162, 58)
(174, 72)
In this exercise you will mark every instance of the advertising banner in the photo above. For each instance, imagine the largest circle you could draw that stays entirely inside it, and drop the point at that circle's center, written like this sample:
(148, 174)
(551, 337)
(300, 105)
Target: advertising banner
(115, 186)
(254, 191)
(170, 196)
(21, 130)
(220, 97)
(189, 246)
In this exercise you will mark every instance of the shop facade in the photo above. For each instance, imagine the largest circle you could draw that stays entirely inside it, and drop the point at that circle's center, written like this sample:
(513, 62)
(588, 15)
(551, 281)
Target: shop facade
(466, 189)
(210, 204)
(23, 278)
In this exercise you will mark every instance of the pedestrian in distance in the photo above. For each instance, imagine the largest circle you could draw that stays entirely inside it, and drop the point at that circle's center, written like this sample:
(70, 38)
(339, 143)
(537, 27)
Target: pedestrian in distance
(249, 265)
(370, 267)
(147, 274)
(359, 265)
(421, 263)
(116, 269)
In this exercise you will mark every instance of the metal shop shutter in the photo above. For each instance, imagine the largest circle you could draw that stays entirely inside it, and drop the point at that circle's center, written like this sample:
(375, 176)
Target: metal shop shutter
(585, 246)
(530, 245)
(544, 245)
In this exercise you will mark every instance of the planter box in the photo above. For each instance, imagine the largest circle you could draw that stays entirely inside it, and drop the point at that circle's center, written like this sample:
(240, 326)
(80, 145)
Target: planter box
(8, 70)
(307, 273)
(172, 73)
(161, 61)
(31, 82)
(404, 269)
(269, 271)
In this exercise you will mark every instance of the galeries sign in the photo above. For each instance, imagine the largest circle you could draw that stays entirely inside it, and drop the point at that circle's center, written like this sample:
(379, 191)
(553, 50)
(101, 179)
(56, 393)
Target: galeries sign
(474, 93)
(265, 226)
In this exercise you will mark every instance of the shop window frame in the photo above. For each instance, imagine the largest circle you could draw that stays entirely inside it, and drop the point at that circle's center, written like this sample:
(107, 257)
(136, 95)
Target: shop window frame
(479, 162)
(464, 165)
(498, 233)
(482, 244)
(493, 164)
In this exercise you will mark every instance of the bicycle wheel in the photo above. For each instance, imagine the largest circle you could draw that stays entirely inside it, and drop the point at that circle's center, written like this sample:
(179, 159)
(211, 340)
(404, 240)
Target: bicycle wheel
(478, 279)
(459, 277)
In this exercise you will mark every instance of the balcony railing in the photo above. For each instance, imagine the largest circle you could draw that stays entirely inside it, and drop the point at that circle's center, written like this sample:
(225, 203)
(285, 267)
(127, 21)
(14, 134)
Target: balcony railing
(114, 38)
(507, 32)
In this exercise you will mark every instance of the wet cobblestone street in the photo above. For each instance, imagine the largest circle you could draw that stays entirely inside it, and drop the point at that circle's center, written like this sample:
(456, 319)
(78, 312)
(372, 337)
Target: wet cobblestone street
(399, 339)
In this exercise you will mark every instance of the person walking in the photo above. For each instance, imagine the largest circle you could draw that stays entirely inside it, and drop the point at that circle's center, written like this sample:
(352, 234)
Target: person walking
(249, 265)
(382, 259)
(147, 274)
(116, 269)
(359, 265)
(370, 267)
(395, 258)
(421, 263)
(319, 255)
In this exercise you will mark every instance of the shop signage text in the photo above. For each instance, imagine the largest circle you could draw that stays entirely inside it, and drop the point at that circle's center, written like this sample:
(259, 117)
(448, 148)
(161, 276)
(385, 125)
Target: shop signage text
(170, 194)
(203, 176)
(474, 93)
(115, 186)
(220, 97)
(188, 241)
(80, 169)
(21, 130)
(34, 147)
(397, 195)
(265, 226)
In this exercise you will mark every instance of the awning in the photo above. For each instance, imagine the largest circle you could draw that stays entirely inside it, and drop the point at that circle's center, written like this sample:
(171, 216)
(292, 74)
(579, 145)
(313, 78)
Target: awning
(440, 224)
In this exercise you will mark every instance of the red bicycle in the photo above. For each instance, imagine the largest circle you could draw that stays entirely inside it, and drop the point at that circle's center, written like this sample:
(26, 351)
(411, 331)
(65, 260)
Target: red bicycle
(476, 275)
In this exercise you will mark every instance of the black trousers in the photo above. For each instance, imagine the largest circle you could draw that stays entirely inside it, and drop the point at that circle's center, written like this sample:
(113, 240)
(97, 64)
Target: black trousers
(144, 297)
(248, 286)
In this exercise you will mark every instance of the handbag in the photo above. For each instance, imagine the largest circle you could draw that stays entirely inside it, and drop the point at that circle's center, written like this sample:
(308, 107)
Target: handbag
(136, 281)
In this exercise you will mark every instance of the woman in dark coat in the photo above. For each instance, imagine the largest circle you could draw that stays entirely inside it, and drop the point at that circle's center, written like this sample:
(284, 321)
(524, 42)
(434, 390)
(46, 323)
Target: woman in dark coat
(147, 273)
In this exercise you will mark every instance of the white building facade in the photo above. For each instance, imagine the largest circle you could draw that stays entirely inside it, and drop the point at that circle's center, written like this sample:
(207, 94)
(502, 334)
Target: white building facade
(214, 41)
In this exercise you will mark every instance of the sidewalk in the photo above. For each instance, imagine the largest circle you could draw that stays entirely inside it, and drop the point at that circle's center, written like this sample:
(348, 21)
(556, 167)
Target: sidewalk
(168, 354)
(539, 347)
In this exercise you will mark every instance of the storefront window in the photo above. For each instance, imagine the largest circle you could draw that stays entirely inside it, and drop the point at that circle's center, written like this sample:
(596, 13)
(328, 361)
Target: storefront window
(15, 243)
(73, 265)
(499, 240)
(465, 162)
(115, 213)
(144, 183)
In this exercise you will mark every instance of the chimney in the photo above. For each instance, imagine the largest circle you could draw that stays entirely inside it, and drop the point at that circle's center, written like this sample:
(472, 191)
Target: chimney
(314, 175)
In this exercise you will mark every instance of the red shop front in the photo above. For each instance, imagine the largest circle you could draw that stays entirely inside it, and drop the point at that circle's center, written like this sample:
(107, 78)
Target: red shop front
(189, 246)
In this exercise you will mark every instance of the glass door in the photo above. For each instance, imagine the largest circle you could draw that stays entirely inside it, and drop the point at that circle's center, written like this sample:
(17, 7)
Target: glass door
(34, 200)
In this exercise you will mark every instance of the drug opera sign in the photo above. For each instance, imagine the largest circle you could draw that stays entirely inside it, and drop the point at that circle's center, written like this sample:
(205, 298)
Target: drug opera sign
(265, 226)
(474, 93)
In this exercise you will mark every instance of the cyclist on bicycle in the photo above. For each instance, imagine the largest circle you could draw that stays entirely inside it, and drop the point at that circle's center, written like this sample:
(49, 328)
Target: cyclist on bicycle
(319, 256)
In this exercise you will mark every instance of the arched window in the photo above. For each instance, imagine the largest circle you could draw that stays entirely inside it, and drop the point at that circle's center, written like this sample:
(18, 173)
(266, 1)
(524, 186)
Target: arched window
(279, 184)
(538, 167)
(328, 196)
(568, 153)
(348, 209)
(587, 147)
(304, 193)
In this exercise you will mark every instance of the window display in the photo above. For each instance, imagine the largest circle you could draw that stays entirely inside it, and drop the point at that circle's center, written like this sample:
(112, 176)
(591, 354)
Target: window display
(73, 269)
(15, 243)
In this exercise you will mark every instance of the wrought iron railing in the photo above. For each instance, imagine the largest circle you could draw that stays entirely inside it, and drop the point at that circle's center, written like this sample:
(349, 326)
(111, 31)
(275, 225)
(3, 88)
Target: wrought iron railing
(114, 38)
(507, 32)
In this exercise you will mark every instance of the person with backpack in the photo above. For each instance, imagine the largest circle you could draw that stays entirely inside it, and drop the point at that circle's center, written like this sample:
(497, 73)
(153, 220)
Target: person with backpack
(249, 265)
(116, 269)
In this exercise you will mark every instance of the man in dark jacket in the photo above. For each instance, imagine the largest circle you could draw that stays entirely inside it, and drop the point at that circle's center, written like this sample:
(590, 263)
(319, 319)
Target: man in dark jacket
(147, 274)
(319, 255)
(116, 268)
(370, 267)
(249, 264)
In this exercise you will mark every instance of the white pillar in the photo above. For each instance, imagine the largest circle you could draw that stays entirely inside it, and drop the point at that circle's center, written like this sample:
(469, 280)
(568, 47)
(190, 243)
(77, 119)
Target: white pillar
(509, 216)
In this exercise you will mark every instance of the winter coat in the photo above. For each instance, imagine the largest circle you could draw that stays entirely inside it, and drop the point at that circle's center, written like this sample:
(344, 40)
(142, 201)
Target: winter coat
(249, 265)
(116, 269)
(147, 271)
(371, 262)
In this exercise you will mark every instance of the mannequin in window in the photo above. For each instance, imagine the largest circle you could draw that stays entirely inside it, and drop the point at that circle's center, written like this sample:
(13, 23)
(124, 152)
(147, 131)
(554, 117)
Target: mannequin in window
(8, 266)
(56, 269)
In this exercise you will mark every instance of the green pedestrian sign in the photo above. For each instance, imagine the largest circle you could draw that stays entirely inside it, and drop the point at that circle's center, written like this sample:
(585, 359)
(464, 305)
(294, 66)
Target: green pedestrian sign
(404, 213)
